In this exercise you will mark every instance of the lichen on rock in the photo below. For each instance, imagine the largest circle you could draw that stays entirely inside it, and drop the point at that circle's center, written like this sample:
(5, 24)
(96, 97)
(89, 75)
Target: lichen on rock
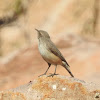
(53, 88)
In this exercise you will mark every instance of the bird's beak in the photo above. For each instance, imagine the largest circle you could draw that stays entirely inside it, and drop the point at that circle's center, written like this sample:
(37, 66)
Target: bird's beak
(37, 30)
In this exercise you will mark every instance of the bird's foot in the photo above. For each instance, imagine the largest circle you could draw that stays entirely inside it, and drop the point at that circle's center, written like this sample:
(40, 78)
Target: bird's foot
(53, 75)
(42, 75)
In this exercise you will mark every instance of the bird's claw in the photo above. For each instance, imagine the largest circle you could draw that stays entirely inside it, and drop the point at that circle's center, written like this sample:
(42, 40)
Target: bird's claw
(52, 75)
(42, 75)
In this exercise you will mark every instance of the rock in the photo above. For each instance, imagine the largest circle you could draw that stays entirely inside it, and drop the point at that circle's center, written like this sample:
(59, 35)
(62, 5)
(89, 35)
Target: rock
(53, 88)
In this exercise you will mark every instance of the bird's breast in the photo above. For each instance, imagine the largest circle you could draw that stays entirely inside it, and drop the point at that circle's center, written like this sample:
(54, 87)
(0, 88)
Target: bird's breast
(49, 56)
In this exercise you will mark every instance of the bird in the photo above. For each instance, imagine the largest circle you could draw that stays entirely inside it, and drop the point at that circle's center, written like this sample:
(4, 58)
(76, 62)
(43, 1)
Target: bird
(50, 53)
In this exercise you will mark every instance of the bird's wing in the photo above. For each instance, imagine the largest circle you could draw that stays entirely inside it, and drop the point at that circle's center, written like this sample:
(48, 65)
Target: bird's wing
(52, 48)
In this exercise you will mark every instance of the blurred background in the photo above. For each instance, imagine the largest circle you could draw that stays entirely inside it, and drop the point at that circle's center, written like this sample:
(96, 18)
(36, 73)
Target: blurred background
(74, 26)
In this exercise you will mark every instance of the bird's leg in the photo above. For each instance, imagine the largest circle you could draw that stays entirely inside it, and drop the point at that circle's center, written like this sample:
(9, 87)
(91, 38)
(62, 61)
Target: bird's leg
(54, 72)
(46, 70)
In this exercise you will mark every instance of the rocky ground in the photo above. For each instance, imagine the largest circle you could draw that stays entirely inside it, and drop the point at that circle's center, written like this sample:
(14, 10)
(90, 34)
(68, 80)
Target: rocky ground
(73, 27)
(54, 88)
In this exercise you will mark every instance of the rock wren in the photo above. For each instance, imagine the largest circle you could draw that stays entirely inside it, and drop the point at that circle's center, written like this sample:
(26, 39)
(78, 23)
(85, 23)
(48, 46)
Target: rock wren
(50, 53)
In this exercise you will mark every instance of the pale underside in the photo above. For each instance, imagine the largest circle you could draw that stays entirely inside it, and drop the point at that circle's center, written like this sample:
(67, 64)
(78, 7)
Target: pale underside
(49, 56)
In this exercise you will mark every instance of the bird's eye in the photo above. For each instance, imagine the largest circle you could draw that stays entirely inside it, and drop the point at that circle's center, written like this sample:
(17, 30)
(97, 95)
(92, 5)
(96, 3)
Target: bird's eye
(41, 34)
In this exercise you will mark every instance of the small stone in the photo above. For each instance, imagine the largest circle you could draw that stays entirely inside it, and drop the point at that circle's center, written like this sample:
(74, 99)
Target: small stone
(54, 87)
(63, 89)
(97, 95)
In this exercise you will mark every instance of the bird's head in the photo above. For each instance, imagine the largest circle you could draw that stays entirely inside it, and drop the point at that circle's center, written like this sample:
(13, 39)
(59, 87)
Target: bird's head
(42, 33)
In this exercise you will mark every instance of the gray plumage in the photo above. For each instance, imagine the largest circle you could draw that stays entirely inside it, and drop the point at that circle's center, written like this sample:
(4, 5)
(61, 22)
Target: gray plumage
(50, 53)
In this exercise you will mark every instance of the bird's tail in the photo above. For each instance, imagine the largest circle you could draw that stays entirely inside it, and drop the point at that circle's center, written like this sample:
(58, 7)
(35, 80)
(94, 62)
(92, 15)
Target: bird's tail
(67, 67)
